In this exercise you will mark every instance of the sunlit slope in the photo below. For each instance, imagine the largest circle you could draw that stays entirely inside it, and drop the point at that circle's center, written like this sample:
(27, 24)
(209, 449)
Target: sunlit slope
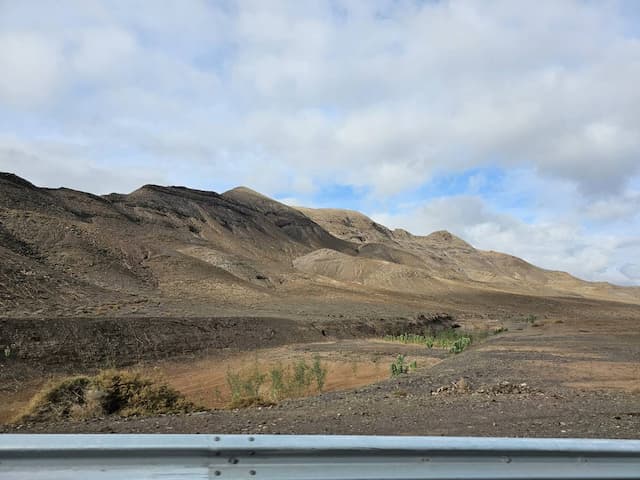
(65, 251)
(442, 255)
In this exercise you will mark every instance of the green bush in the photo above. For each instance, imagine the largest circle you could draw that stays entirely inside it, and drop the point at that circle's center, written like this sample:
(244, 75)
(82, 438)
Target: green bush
(460, 344)
(400, 367)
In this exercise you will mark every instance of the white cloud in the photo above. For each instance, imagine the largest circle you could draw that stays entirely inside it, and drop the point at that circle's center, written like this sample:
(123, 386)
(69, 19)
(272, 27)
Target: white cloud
(632, 271)
(30, 68)
(623, 207)
(382, 96)
(103, 52)
(384, 90)
(553, 244)
(54, 164)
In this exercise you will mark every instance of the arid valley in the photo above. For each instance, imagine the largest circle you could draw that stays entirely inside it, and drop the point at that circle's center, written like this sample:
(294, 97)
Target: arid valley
(234, 313)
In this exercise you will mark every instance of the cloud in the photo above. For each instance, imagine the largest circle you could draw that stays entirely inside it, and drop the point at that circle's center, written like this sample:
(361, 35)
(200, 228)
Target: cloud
(55, 164)
(30, 68)
(102, 52)
(632, 271)
(296, 98)
(554, 244)
(623, 207)
(384, 90)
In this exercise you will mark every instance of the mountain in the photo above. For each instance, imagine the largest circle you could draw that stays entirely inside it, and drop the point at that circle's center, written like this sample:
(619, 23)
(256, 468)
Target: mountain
(443, 256)
(174, 249)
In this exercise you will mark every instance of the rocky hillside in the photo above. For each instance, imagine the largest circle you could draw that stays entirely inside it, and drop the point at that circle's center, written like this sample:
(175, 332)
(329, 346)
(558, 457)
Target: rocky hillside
(64, 252)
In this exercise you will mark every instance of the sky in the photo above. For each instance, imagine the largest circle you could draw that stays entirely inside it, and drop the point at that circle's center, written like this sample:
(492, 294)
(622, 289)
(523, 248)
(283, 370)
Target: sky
(513, 124)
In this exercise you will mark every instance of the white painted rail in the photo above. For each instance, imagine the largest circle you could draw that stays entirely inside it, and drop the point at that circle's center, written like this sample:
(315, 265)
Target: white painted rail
(275, 457)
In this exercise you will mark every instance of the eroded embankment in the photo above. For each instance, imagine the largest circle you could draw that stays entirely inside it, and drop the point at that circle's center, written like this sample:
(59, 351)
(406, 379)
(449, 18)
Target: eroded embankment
(60, 345)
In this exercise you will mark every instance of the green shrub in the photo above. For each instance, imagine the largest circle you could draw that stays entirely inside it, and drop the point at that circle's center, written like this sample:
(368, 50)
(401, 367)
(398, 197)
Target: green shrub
(400, 367)
(460, 344)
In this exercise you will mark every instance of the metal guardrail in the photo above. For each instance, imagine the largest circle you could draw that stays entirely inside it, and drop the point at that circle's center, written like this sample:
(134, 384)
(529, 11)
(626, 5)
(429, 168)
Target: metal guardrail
(267, 457)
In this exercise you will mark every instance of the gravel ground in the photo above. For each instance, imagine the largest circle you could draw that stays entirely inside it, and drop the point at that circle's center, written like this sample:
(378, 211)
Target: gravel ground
(515, 384)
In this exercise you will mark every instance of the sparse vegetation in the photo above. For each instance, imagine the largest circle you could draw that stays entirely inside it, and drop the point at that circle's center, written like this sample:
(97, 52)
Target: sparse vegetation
(460, 344)
(301, 379)
(319, 372)
(401, 367)
(278, 388)
(294, 380)
(245, 389)
(108, 393)
(450, 339)
(444, 339)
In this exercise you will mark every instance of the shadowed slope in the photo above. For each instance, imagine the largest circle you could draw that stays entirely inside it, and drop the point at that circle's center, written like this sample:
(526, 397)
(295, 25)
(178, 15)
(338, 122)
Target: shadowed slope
(293, 223)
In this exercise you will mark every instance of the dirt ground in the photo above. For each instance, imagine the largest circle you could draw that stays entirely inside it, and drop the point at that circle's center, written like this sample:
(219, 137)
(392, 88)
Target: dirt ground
(349, 363)
(195, 355)
(574, 375)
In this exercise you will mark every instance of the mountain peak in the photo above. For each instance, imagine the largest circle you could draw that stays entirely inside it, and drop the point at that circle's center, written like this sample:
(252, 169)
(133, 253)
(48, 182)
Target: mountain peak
(349, 225)
(256, 200)
(16, 180)
(448, 238)
(241, 189)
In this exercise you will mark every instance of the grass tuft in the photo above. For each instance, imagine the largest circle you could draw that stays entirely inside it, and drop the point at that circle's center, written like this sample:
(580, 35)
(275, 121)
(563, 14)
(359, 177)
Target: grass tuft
(110, 392)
